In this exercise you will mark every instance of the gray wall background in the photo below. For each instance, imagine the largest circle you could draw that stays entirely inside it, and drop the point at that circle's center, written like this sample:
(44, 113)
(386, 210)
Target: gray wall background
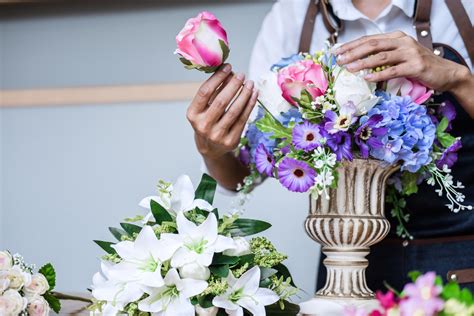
(67, 173)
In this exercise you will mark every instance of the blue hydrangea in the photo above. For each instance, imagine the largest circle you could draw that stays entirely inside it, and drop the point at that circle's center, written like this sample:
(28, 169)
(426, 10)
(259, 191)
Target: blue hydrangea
(292, 114)
(410, 135)
(287, 61)
(256, 137)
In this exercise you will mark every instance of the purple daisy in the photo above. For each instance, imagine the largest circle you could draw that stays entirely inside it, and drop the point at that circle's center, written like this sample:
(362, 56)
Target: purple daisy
(295, 175)
(244, 155)
(450, 155)
(264, 160)
(306, 136)
(340, 144)
(367, 136)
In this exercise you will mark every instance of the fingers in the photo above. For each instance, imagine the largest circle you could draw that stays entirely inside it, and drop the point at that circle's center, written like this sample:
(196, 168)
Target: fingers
(221, 87)
(202, 97)
(355, 43)
(377, 60)
(367, 48)
(237, 107)
(402, 70)
(236, 130)
(224, 98)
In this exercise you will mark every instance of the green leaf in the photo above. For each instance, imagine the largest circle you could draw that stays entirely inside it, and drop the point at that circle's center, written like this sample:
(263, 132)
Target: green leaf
(446, 139)
(223, 259)
(413, 275)
(106, 245)
(206, 189)
(285, 272)
(50, 274)
(159, 213)
(220, 270)
(53, 302)
(118, 233)
(245, 227)
(131, 228)
(268, 124)
(443, 124)
(246, 259)
(409, 181)
(225, 50)
(451, 290)
(205, 301)
(289, 310)
(267, 272)
(466, 297)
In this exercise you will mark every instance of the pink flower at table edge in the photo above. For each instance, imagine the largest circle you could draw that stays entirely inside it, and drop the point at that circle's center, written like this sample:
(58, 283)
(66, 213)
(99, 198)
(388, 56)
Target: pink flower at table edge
(302, 75)
(422, 295)
(199, 42)
(407, 87)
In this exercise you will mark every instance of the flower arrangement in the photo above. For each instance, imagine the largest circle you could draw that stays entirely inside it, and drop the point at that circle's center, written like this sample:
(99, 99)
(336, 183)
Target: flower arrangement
(184, 258)
(426, 295)
(315, 114)
(23, 292)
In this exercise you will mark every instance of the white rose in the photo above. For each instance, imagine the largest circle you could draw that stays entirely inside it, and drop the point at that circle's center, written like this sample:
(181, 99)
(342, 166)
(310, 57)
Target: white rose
(242, 247)
(11, 303)
(37, 306)
(17, 277)
(6, 260)
(211, 311)
(270, 94)
(195, 271)
(4, 283)
(353, 87)
(38, 285)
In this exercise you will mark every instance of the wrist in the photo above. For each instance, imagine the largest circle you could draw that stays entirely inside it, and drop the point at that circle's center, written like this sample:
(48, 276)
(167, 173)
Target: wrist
(460, 78)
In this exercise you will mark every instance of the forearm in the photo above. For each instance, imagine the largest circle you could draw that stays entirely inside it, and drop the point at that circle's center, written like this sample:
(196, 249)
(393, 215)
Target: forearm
(227, 170)
(462, 88)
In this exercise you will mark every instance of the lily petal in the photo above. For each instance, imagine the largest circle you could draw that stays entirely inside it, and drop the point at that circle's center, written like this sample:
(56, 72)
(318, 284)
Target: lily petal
(183, 193)
(190, 287)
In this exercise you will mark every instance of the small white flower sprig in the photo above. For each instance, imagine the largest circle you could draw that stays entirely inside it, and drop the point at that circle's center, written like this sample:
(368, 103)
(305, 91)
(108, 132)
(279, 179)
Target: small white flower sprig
(183, 258)
(23, 292)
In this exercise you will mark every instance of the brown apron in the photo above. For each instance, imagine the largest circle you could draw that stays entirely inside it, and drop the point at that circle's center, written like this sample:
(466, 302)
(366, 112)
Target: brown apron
(421, 22)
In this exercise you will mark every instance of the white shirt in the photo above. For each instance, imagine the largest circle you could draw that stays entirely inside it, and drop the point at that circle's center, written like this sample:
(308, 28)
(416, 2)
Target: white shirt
(280, 33)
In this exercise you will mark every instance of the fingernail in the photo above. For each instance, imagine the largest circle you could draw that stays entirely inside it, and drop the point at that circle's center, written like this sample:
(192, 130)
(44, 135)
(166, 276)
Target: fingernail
(341, 58)
(338, 51)
(369, 76)
(249, 84)
(227, 68)
(240, 76)
(352, 66)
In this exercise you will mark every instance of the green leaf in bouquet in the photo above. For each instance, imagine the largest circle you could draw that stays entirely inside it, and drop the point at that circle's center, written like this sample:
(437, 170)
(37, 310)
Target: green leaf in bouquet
(220, 270)
(246, 259)
(269, 124)
(265, 273)
(159, 213)
(446, 139)
(285, 272)
(131, 228)
(409, 181)
(225, 50)
(451, 290)
(53, 302)
(223, 259)
(106, 246)
(50, 274)
(443, 124)
(118, 233)
(205, 301)
(216, 212)
(206, 189)
(246, 227)
(466, 297)
(413, 275)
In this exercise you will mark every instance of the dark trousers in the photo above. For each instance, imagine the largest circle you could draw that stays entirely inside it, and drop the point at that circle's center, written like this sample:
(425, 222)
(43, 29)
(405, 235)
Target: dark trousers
(390, 261)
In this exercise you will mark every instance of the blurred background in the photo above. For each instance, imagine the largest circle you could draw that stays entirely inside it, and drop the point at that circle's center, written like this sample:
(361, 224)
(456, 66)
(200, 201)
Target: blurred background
(92, 115)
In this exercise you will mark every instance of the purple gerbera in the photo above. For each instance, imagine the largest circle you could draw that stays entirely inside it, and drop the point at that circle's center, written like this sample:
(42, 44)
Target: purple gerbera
(264, 160)
(306, 136)
(367, 136)
(295, 175)
(450, 155)
(340, 144)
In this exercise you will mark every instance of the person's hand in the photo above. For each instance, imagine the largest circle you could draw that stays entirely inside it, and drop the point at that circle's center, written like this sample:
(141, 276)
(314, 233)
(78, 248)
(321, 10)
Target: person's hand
(219, 111)
(406, 58)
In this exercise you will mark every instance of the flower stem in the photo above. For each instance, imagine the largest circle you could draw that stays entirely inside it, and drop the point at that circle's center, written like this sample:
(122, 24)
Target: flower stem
(62, 296)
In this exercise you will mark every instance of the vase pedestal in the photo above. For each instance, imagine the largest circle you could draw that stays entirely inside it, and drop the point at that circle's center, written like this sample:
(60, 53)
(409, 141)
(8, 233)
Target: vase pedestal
(346, 225)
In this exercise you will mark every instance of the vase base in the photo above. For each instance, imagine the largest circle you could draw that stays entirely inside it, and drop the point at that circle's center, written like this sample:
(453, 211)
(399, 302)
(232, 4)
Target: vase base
(319, 306)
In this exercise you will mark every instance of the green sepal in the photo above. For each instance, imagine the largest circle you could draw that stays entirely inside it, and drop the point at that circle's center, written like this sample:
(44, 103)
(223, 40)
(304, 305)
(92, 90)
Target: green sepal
(225, 50)
(131, 228)
(159, 213)
(118, 233)
(50, 274)
(246, 227)
(206, 189)
(445, 139)
(53, 302)
(106, 246)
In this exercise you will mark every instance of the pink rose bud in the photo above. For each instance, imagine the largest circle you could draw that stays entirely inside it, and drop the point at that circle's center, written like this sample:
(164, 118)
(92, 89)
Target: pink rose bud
(302, 75)
(407, 87)
(202, 43)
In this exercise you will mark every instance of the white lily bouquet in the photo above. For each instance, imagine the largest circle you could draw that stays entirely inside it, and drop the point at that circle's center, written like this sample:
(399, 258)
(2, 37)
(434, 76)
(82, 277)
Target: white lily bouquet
(23, 292)
(185, 259)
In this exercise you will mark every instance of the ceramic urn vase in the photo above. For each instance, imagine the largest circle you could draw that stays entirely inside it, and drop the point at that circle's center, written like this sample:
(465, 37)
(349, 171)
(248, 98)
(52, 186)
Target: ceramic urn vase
(346, 225)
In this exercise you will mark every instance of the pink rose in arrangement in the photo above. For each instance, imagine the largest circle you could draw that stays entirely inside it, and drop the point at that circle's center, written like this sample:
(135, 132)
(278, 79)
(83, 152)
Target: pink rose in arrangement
(303, 75)
(202, 43)
(407, 87)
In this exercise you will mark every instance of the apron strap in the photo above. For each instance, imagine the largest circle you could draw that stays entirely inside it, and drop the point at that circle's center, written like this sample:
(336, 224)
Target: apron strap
(332, 23)
(421, 23)
(465, 28)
